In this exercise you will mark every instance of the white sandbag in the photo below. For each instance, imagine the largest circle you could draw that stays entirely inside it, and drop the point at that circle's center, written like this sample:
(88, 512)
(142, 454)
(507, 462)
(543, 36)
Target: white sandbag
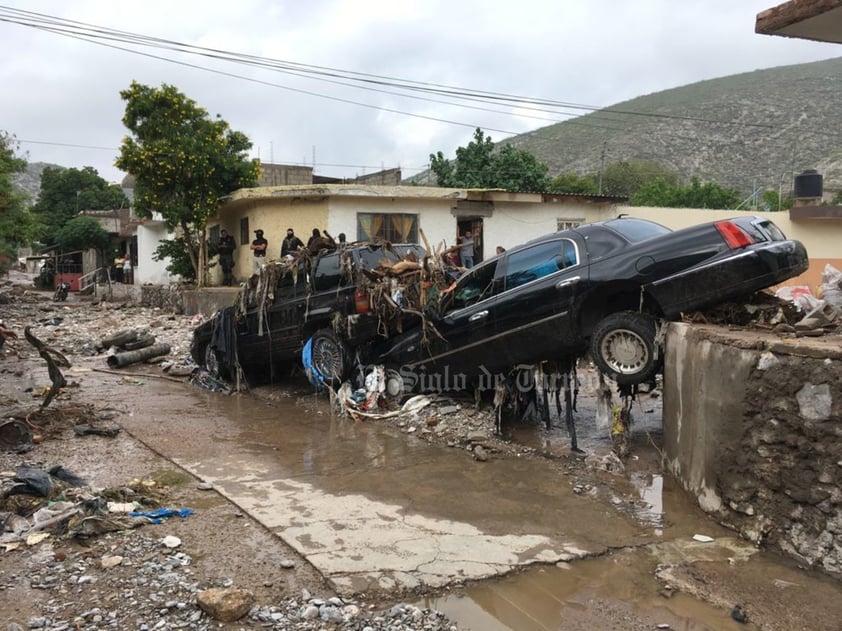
(832, 286)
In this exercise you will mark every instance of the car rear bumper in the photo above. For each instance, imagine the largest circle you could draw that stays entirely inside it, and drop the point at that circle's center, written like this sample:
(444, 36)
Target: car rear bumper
(738, 275)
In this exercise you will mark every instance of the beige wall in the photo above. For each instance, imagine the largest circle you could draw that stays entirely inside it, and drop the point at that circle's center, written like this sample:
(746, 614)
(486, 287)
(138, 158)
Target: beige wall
(821, 237)
(273, 216)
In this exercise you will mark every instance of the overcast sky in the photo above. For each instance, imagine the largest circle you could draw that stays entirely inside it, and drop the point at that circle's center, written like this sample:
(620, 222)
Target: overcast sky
(57, 92)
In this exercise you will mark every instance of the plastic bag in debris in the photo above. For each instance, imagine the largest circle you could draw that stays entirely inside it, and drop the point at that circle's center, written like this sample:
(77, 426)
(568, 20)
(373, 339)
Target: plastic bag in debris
(800, 295)
(159, 515)
(832, 286)
(46, 513)
(31, 481)
(315, 378)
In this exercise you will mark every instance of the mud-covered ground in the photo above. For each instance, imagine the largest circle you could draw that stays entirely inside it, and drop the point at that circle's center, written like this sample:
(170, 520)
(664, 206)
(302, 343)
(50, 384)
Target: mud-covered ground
(100, 574)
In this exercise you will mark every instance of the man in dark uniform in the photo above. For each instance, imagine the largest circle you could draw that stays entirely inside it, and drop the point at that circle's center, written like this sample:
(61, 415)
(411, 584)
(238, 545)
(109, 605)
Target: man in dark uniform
(258, 246)
(291, 243)
(226, 247)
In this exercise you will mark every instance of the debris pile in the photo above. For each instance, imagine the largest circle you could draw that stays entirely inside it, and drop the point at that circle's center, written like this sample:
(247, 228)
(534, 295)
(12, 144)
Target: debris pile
(39, 503)
(789, 311)
(396, 284)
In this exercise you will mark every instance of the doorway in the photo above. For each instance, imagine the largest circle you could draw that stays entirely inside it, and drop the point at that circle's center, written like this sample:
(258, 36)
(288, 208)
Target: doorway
(474, 224)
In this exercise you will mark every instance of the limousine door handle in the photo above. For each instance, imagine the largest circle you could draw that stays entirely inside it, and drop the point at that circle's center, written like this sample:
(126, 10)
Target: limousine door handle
(478, 316)
(567, 282)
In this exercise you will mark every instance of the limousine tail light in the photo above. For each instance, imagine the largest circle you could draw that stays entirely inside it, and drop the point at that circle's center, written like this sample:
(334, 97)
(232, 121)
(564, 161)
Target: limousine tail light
(734, 236)
(361, 301)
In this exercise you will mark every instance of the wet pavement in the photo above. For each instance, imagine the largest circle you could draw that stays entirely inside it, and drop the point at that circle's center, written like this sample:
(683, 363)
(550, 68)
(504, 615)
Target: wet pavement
(512, 543)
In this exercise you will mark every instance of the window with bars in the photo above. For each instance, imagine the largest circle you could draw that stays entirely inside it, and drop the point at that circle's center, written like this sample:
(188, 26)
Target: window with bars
(393, 227)
(244, 231)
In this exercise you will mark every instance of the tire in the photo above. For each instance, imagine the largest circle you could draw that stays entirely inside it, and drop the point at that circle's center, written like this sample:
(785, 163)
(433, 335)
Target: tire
(329, 359)
(623, 347)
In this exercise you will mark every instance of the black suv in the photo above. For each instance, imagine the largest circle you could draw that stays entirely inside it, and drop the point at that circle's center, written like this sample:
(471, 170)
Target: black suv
(314, 302)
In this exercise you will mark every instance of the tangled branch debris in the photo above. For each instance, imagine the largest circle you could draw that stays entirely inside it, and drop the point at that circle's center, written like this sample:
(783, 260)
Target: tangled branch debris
(54, 359)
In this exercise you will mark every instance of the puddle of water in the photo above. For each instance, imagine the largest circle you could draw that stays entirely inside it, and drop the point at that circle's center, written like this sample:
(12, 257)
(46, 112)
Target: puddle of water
(615, 592)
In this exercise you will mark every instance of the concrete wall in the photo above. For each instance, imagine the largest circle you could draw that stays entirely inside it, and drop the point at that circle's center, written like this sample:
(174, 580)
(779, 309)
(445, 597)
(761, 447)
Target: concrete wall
(284, 174)
(148, 270)
(753, 428)
(515, 222)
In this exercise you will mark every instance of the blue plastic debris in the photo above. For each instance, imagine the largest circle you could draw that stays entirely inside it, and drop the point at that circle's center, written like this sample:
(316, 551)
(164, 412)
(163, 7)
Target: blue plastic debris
(313, 375)
(161, 514)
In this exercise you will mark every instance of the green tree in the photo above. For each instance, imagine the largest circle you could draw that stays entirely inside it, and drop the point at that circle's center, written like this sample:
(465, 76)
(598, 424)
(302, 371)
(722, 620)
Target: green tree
(698, 194)
(574, 183)
(771, 201)
(478, 165)
(66, 192)
(184, 163)
(625, 178)
(83, 233)
(18, 227)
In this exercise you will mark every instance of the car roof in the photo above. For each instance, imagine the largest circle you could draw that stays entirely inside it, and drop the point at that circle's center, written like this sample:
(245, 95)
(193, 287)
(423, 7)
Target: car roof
(586, 229)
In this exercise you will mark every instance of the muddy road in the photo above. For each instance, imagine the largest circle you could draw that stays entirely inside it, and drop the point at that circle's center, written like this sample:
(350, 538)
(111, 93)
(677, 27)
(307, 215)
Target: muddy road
(534, 537)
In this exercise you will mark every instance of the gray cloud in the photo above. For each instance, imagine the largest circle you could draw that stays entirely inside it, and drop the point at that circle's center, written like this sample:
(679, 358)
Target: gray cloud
(595, 52)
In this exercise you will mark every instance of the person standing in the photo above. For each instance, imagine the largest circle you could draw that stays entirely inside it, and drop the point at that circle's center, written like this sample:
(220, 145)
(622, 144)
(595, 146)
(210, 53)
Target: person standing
(466, 250)
(258, 247)
(291, 243)
(226, 247)
(128, 279)
(314, 237)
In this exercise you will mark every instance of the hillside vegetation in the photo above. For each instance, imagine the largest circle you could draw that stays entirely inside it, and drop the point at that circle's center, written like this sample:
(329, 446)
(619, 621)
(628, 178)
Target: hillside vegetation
(755, 129)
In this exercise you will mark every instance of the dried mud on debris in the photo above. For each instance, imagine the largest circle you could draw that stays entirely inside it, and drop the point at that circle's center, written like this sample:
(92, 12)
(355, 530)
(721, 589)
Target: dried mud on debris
(151, 548)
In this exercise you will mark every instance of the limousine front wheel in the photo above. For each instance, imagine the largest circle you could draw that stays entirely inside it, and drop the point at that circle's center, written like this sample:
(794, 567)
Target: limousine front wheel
(623, 347)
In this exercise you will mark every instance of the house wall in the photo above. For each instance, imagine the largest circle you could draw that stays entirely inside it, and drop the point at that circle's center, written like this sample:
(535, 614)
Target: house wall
(148, 270)
(509, 223)
(513, 223)
(273, 216)
(434, 216)
(822, 238)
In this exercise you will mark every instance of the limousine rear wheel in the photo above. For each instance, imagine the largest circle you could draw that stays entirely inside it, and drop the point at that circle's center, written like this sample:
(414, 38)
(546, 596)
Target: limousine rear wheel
(330, 357)
(623, 347)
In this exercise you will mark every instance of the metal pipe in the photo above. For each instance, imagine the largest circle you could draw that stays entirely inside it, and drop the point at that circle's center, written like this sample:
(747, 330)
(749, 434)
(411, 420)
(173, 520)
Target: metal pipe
(132, 357)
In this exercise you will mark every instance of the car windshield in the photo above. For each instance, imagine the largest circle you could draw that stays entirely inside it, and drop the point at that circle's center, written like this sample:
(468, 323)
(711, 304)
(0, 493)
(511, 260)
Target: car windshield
(637, 229)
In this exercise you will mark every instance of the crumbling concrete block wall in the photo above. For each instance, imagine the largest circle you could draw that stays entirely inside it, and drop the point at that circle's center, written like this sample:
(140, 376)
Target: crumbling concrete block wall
(753, 427)
(169, 298)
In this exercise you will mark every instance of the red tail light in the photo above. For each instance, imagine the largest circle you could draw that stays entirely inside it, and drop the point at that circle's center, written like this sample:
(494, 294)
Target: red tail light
(734, 236)
(361, 302)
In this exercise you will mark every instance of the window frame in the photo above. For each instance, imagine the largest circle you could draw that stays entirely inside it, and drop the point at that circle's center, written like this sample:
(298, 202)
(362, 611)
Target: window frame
(561, 251)
(387, 231)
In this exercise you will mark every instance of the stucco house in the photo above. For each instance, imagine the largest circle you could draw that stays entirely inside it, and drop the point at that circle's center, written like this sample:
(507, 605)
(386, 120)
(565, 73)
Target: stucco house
(400, 214)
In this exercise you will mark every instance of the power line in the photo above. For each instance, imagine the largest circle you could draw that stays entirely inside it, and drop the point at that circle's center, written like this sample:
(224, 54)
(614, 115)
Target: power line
(89, 32)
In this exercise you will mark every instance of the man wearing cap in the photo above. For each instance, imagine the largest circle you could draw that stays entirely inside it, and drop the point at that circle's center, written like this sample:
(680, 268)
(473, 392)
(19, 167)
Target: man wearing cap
(291, 243)
(258, 246)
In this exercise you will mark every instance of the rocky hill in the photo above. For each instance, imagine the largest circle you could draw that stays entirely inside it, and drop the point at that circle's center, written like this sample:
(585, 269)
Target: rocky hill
(29, 180)
(749, 130)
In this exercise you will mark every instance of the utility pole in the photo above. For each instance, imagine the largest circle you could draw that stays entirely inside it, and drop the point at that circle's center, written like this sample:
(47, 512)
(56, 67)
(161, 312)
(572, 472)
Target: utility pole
(602, 164)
